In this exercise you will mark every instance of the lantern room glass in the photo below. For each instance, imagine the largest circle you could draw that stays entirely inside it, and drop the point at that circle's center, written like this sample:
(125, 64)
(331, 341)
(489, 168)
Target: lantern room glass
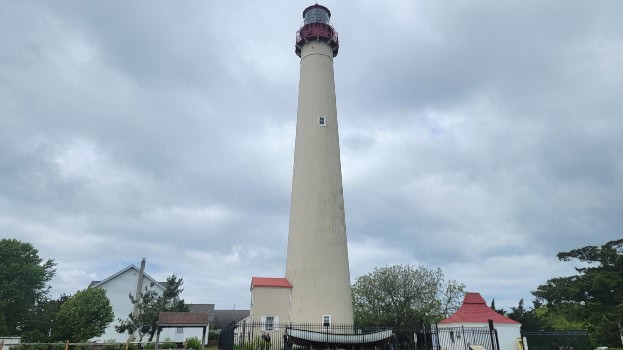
(316, 15)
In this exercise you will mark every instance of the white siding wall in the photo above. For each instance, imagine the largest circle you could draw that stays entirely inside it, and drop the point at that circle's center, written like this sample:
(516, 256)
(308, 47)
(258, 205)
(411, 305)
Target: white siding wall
(171, 333)
(117, 290)
(507, 335)
(9, 342)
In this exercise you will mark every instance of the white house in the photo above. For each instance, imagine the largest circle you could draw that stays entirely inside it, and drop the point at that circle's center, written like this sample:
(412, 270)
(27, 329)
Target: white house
(123, 283)
(462, 327)
(9, 342)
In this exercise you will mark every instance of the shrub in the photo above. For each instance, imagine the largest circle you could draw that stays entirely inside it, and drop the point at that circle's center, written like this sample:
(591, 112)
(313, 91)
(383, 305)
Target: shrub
(256, 344)
(213, 335)
(29, 347)
(193, 343)
(167, 343)
(110, 344)
(113, 345)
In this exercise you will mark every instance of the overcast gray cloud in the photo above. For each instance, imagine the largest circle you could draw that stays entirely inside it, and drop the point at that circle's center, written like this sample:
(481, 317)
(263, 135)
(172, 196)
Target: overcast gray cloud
(478, 136)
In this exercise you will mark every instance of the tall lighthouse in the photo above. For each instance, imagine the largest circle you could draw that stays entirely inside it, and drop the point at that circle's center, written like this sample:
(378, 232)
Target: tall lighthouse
(317, 260)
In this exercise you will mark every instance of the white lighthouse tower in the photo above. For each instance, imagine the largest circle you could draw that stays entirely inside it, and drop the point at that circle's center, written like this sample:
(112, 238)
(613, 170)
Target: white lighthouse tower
(317, 260)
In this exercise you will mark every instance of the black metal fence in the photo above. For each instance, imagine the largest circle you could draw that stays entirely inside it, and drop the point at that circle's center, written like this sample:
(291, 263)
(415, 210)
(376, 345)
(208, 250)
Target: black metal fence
(251, 335)
(226, 337)
(557, 340)
(269, 336)
(464, 337)
(453, 338)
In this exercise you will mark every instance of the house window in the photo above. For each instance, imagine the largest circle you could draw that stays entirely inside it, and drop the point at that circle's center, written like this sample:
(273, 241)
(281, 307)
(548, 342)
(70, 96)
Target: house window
(322, 120)
(179, 330)
(326, 320)
(270, 323)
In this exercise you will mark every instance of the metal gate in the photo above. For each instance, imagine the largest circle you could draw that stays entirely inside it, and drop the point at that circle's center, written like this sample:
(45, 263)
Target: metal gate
(466, 337)
(452, 338)
(226, 337)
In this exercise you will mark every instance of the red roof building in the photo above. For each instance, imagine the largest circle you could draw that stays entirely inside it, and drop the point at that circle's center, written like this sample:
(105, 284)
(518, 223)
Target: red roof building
(270, 300)
(475, 310)
(270, 282)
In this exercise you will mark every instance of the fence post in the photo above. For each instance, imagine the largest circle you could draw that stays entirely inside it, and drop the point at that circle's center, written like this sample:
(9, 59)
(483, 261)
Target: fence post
(494, 343)
(426, 336)
(464, 337)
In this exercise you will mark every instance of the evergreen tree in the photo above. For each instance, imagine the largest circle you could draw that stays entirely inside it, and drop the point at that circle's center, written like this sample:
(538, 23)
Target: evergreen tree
(499, 311)
(150, 304)
(528, 318)
(593, 299)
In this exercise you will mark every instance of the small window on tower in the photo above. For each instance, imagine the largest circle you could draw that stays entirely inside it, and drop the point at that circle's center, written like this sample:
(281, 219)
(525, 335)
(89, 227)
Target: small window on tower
(322, 120)
(326, 320)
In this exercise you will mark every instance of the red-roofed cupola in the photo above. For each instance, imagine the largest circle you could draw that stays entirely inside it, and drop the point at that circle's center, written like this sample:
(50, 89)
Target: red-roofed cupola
(475, 310)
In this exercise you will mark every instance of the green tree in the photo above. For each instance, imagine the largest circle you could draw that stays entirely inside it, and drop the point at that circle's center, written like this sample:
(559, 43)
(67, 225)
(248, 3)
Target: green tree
(499, 311)
(83, 316)
(561, 318)
(141, 321)
(150, 304)
(38, 326)
(528, 318)
(401, 295)
(24, 278)
(593, 299)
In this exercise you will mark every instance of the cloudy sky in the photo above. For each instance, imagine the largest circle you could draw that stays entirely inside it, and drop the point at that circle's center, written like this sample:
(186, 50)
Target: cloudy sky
(478, 136)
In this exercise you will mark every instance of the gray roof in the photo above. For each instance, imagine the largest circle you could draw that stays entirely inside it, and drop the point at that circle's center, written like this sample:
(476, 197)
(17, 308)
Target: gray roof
(183, 319)
(93, 283)
(223, 318)
(203, 308)
(98, 283)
